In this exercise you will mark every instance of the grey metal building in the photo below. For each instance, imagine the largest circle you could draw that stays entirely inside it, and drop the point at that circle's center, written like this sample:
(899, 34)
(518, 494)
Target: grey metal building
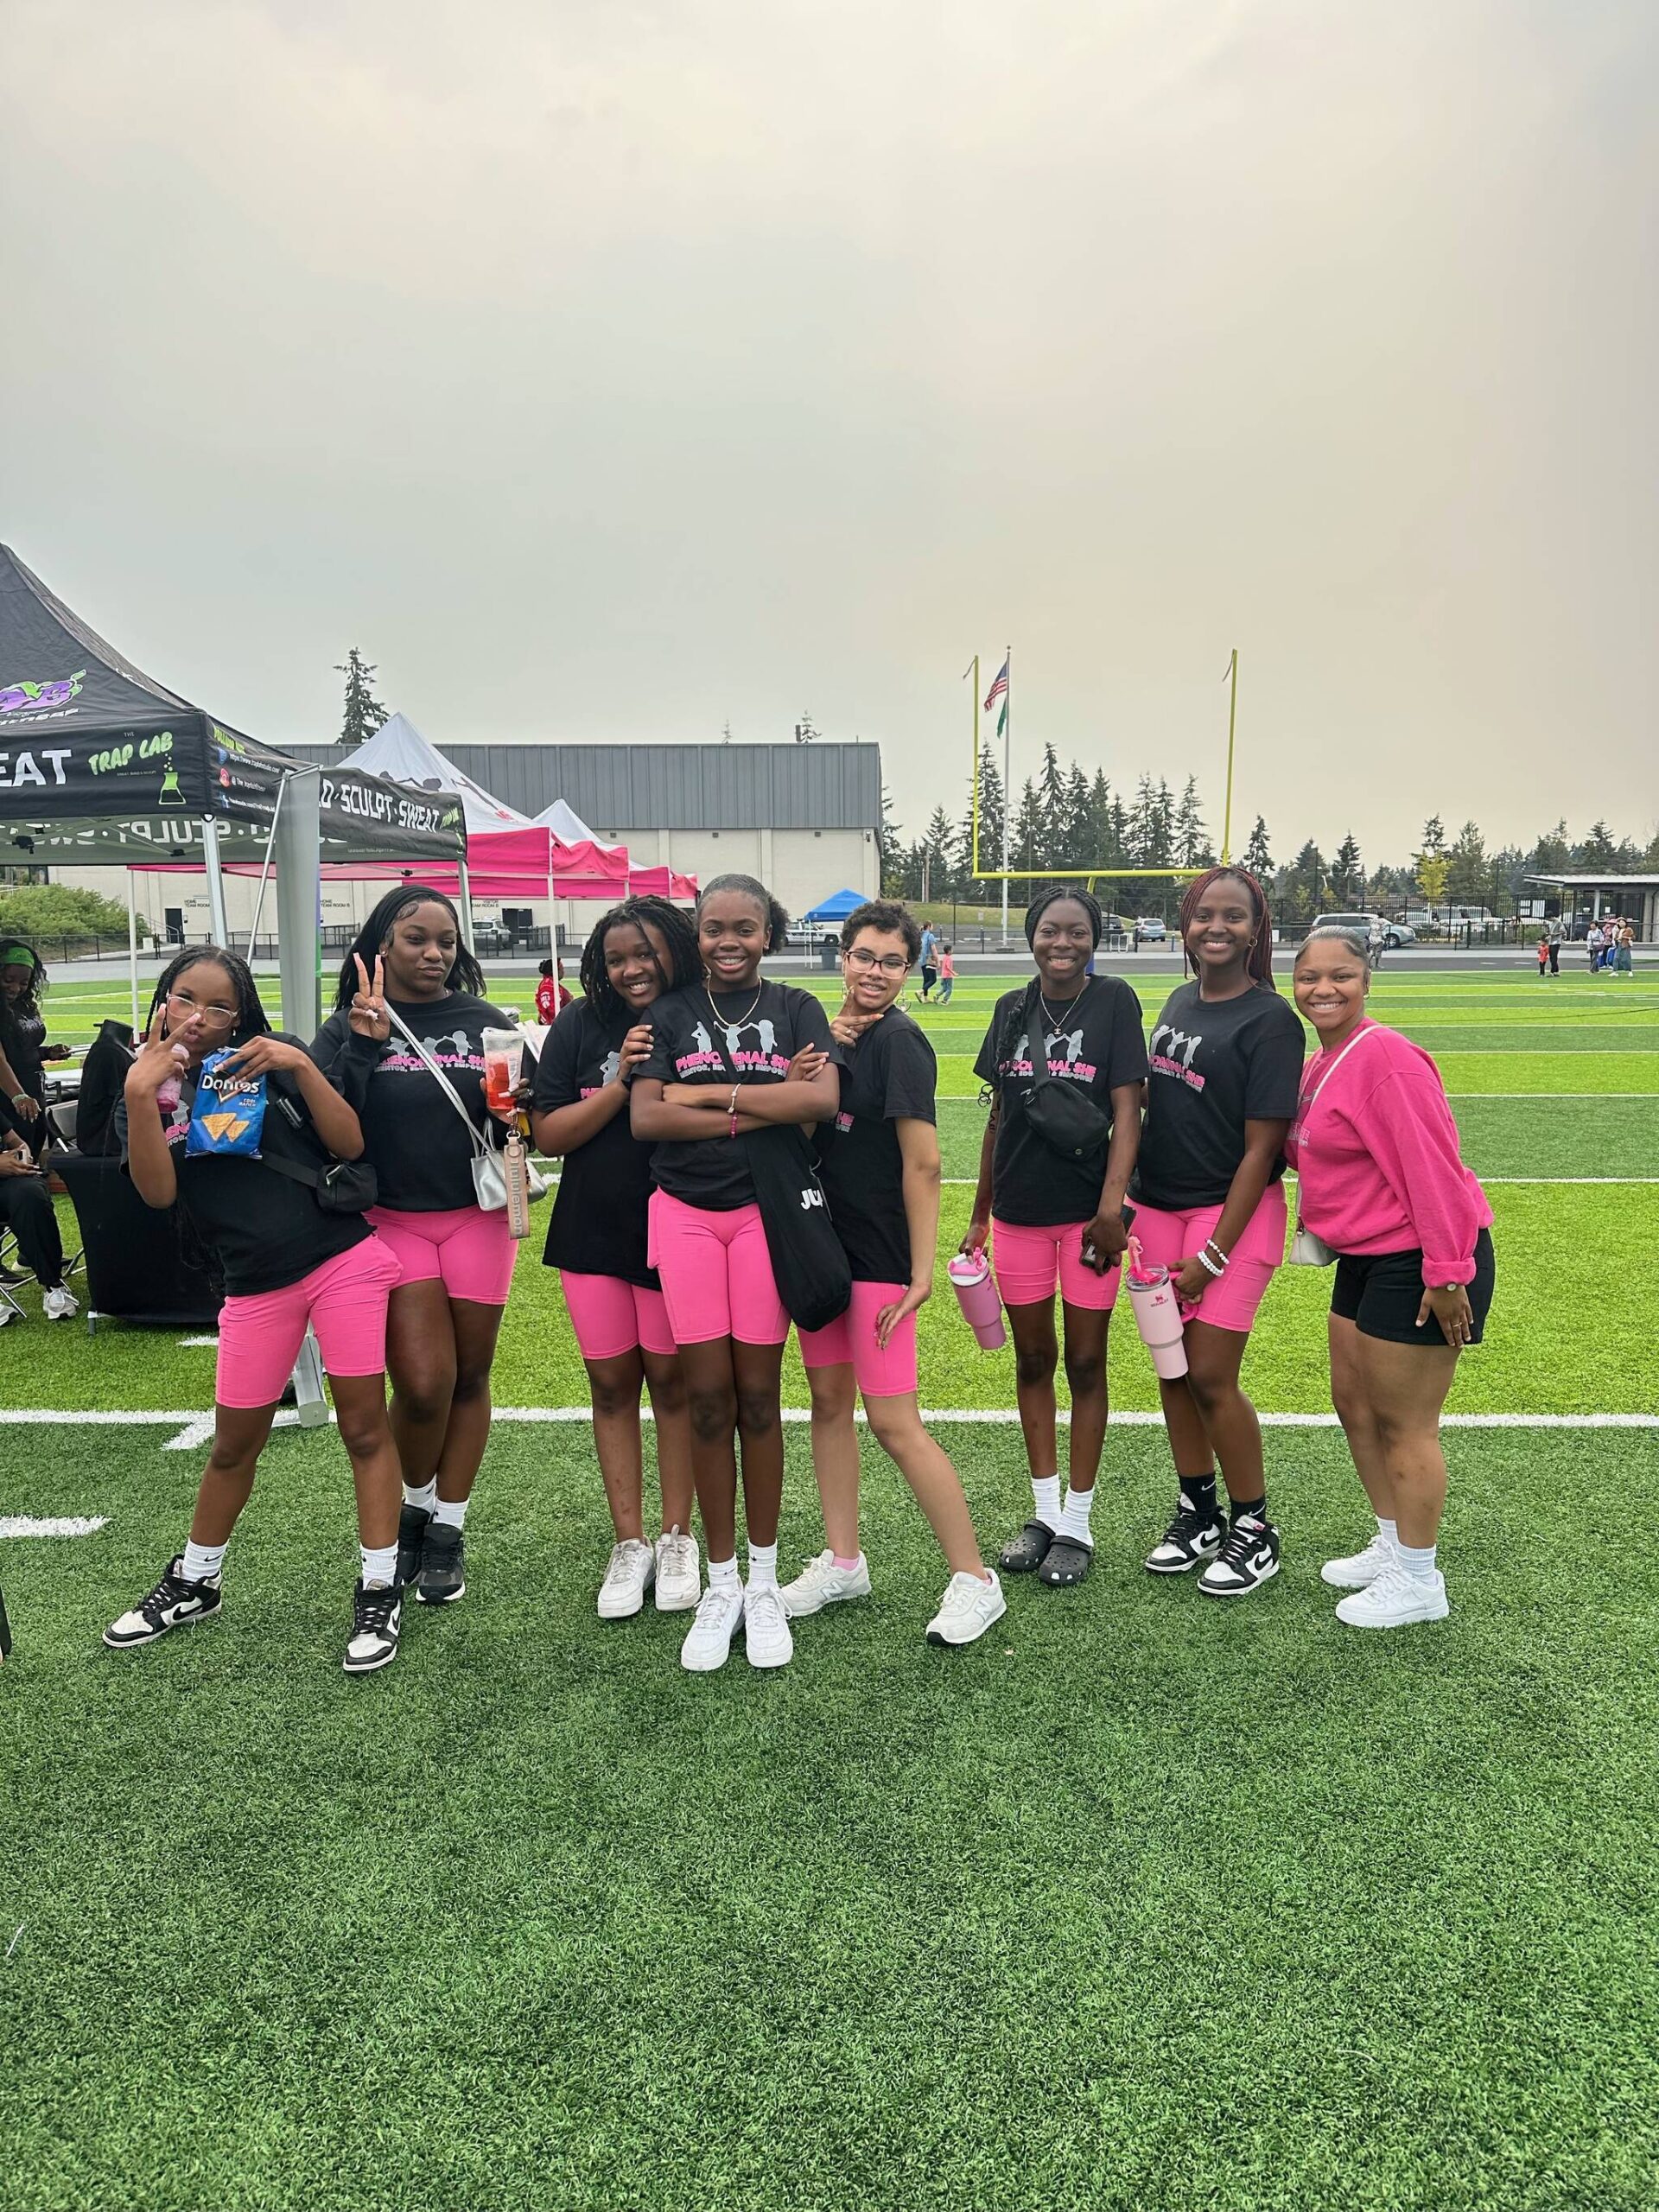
(805, 819)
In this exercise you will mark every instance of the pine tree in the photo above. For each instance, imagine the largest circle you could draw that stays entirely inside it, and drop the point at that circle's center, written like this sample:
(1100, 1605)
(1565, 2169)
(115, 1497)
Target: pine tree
(1553, 851)
(1303, 883)
(1257, 858)
(1100, 821)
(1028, 835)
(1050, 803)
(1597, 850)
(892, 854)
(938, 847)
(990, 821)
(1433, 834)
(1191, 841)
(1469, 873)
(1143, 825)
(364, 712)
(1348, 873)
(1079, 847)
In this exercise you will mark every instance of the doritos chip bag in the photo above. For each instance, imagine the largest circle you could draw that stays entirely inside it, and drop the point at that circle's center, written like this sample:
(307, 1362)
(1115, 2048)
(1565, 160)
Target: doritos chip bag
(228, 1116)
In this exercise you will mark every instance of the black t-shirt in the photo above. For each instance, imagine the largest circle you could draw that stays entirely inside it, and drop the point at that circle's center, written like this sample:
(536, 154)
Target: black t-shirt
(1216, 1064)
(23, 1039)
(264, 1231)
(412, 1135)
(735, 1037)
(1094, 1041)
(890, 1075)
(598, 1226)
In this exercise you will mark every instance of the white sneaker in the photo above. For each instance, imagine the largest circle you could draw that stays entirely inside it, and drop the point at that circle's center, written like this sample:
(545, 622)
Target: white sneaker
(1361, 1569)
(765, 1627)
(719, 1614)
(630, 1574)
(1395, 1599)
(967, 1609)
(58, 1304)
(679, 1571)
(822, 1583)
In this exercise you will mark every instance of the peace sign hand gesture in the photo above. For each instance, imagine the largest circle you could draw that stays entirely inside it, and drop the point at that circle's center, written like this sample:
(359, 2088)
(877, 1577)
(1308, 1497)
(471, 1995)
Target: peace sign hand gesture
(368, 1016)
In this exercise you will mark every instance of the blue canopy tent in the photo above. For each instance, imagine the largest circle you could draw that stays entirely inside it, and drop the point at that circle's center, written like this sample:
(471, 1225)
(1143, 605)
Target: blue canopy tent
(836, 907)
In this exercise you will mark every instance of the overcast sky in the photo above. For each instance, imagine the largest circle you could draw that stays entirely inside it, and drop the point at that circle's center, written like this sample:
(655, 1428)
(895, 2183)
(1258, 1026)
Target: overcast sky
(614, 371)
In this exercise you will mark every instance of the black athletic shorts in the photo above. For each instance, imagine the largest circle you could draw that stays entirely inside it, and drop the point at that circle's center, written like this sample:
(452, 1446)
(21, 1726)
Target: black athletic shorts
(1380, 1293)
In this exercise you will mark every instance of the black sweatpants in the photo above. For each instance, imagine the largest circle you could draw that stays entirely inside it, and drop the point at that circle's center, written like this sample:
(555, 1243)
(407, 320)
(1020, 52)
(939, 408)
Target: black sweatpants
(26, 1209)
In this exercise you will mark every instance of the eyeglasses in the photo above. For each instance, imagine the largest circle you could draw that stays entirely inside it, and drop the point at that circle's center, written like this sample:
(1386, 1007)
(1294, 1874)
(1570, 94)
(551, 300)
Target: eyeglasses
(216, 1017)
(890, 963)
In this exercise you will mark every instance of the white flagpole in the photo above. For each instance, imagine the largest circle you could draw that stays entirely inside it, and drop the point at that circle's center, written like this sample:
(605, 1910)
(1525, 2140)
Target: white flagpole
(1007, 787)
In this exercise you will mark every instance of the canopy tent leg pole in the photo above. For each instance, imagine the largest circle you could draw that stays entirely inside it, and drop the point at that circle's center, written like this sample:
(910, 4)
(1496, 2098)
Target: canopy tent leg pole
(298, 843)
(264, 870)
(132, 946)
(221, 926)
(464, 904)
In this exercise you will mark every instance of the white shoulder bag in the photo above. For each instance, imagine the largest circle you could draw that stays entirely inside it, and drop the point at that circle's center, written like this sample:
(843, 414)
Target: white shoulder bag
(501, 1180)
(1307, 1250)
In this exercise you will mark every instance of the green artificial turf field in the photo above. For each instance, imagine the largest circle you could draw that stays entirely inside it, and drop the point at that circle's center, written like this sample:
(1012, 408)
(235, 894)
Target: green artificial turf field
(1142, 1902)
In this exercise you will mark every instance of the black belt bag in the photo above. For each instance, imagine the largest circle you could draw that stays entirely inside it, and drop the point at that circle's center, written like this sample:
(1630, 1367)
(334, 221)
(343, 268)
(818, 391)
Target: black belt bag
(808, 1263)
(340, 1186)
(1063, 1114)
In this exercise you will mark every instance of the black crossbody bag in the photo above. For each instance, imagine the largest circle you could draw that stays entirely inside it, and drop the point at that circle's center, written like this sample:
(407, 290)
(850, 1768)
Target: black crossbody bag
(338, 1186)
(1063, 1116)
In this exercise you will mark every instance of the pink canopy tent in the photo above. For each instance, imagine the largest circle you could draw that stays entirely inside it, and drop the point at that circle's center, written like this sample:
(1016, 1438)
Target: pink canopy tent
(656, 882)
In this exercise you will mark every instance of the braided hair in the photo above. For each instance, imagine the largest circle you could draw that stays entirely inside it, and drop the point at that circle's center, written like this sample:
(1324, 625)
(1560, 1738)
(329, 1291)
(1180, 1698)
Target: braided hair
(465, 974)
(1050, 895)
(1258, 962)
(250, 1017)
(673, 925)
(751, 887)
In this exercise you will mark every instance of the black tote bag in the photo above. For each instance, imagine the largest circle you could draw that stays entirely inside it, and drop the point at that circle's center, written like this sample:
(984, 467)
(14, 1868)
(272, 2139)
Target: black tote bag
(813, 1278)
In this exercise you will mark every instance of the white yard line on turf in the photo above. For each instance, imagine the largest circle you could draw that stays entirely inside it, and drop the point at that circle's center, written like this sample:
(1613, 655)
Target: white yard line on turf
(198, 1428)
(74, 1526)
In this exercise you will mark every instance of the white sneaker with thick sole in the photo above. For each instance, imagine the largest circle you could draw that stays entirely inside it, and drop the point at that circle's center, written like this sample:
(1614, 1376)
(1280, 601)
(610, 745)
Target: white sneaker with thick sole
(720, 1615)
(630, 1574)
(822, 1583)
(60, 1305)
(1395, 1599)
(679, 1571)
(765, 1627)
(968, 1608)
(1360, 1569)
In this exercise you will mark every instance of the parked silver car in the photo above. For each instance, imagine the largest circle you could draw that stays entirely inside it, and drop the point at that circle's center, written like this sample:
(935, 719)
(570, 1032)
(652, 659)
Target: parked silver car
(1390, 935)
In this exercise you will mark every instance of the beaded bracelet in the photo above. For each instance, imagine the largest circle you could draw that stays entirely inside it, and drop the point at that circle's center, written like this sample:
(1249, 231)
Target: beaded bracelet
(1209, 1266)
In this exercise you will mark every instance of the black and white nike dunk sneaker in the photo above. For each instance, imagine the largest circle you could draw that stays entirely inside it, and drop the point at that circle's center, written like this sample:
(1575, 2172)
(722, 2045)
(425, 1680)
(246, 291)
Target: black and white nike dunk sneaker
(174, 1603)
(1191, 1539)
(377, 1622)
(1247, 1558)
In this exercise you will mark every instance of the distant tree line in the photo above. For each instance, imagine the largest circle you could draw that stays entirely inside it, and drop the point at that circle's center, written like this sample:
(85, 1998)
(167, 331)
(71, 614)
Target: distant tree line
(1067, 819)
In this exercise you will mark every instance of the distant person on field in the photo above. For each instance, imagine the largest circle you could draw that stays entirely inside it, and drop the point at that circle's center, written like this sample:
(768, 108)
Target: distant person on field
(1593, 941)
(1557, 933)
(1624, 951)
(552, 993)
(947, 974)
(1543, 956)
(930, 957)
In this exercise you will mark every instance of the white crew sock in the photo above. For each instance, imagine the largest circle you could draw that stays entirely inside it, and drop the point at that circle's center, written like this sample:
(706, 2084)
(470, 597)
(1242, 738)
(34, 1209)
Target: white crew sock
(1074, 1521)
(423, 1495)
(1419, 1565)
(379, 1564)
(203, 1560)
(723, 1575)
(763, 1566)
(1046, 1490)
(450, 1512)
(1388, 1532)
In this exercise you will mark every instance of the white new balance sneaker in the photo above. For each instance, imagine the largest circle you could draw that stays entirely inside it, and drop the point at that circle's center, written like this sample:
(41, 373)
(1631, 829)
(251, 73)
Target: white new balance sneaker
(1395, 1599)
(58, 1304)
(719, 1614)
(765, 1627)
(968, 1608)
(630, 1574)
(679, 1572)
(822, 1583)
(1360, 1569)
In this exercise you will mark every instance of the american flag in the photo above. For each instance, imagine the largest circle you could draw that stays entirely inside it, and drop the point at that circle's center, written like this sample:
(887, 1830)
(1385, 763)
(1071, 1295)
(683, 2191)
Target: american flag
(997, 689)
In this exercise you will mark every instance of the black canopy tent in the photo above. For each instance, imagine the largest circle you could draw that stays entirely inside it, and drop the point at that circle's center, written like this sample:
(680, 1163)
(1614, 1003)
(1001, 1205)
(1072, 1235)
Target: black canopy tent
(101, 765)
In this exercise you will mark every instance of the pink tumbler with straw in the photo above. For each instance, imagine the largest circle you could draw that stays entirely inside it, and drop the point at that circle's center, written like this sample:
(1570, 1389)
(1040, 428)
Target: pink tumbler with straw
(1157, 1315)
(976, 1293)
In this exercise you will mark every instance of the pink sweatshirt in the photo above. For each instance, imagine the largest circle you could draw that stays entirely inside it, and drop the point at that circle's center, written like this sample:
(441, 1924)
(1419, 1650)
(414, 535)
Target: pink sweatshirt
(1377, 1161)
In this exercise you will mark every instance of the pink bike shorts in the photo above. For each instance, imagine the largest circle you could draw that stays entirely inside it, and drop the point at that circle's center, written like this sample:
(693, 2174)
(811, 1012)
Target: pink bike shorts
(611, 1316)
(1167, 1239)
(344, 1300)
(465, 1249)
(849, 1341)
(1030, 1263)
(716, 1271)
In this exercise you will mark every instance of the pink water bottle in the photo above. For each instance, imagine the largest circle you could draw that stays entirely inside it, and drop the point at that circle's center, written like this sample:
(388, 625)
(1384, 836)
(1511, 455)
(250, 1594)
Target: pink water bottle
(976, 1293)
(1157, 1315)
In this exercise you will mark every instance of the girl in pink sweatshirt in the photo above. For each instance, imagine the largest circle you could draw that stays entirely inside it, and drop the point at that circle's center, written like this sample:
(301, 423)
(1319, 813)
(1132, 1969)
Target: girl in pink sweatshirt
(1380, 1183)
